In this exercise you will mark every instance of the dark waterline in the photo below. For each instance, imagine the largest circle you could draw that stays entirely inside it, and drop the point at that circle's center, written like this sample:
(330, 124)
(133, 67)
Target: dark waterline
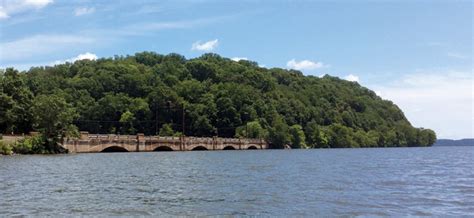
(384, 181)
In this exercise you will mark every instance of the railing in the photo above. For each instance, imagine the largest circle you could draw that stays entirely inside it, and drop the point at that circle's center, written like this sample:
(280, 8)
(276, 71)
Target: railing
(171, 138)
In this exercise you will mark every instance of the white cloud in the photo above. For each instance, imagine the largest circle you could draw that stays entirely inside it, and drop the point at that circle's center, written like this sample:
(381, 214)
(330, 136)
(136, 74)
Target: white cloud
(457, 55)
(26, 66)
(443, 101)
(40, 45)
(205, 46)
(37, 3)
(83, 11)
(84, 56)
(11, 7)
(3, 14)
(239, 58)
(304, 65)
(352, 78)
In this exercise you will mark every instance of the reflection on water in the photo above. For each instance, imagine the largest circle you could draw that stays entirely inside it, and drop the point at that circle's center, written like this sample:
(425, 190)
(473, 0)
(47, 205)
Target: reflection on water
(385, 181)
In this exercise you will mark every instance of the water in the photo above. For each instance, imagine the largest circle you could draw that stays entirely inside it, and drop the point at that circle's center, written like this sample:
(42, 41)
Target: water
(386, 181)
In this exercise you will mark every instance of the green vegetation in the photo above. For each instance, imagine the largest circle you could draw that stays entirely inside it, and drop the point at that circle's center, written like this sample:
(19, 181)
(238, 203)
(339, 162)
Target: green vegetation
(5, 148)
(252, 129)
(152, 94)
(30, 145)
(297, 137)
(52, 116)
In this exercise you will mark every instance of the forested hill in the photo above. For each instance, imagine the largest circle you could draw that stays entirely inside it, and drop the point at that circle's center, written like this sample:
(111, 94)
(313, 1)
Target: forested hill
(151, 93)
(451, 142)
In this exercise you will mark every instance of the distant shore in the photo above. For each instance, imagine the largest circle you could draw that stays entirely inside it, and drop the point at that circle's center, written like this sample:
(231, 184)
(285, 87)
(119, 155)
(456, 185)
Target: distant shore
(451, 142)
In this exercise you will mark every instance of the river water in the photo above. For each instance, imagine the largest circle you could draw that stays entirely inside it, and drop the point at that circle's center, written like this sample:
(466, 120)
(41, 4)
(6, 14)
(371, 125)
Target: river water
(434, 181)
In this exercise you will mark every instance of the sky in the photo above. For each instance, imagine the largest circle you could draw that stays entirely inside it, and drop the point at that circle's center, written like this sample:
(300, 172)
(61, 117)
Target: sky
(416, 53)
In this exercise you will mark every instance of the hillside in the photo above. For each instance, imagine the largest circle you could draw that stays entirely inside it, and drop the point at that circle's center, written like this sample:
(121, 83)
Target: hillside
(451, 142)
(151, 93)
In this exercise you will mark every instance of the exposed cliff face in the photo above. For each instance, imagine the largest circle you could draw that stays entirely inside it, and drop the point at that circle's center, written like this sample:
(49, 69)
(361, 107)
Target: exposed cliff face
(146, 92)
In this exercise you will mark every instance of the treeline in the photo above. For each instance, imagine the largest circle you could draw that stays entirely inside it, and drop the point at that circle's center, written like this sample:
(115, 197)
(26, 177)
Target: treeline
(207, 96)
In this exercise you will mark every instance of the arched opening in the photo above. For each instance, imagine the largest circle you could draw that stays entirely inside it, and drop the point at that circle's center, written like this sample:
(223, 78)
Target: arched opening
(114, 149)
(199, 148)
(252, 147)
(229, 147)
(163, 148)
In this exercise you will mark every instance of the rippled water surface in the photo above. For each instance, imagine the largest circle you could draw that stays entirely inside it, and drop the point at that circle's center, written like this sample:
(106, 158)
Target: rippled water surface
(385, 181)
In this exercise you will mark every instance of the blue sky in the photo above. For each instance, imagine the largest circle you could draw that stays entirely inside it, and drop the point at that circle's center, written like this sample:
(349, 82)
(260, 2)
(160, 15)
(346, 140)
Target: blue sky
(418, 54)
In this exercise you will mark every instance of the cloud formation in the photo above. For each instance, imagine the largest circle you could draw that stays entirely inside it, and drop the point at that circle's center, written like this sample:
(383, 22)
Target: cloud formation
(205, 46)
(84, 56)
(11, 7)
(239, 58)
(352, 78)
(83, 11)
(37, 3)
(304, 65)
(3, 13)
(443, 101)
(40, 45)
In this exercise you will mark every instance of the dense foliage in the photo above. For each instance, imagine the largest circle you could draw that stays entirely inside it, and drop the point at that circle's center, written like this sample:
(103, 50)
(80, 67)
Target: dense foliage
(37, 144)
(152, 93)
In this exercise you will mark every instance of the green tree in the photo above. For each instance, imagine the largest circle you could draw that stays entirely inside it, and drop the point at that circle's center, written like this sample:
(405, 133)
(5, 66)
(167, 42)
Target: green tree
(297, 137)
(227, 117)
(53, 117)
(278, 134)
(341, 136)
(127, 118)
(316, 137)
(16, 99)
(426, 137)
(251, 129)
(166, 130)
(201, 70)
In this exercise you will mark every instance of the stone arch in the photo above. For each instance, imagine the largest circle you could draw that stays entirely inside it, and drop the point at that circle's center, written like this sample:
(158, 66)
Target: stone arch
(199, 148)
(229, 147)
(252, 147)
(163, 148)
(114, 148)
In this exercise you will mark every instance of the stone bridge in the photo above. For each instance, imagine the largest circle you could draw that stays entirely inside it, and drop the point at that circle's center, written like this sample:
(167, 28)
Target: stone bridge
(89, 143)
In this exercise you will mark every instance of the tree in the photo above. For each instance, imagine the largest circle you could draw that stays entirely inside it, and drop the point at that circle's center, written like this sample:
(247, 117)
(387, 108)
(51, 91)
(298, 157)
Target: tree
(202, 126)
(6, 104)
(127, 119)
(251, 129)
(148, 58)
(53, 117)
(15, 102)
(201, 70)
(426, 137)
(166, 130)
(341, 136)
(227, 117)
(316, 136)
(278, 134)
(297, 137)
